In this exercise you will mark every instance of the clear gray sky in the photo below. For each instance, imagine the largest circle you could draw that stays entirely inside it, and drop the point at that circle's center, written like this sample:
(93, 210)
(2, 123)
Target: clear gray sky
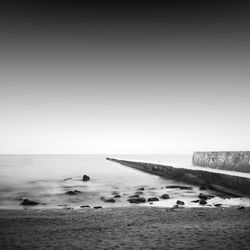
(120, 79)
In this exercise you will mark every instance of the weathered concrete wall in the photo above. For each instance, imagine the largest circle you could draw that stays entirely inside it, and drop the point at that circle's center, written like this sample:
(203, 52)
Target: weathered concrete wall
(234, 161)
(217, 181)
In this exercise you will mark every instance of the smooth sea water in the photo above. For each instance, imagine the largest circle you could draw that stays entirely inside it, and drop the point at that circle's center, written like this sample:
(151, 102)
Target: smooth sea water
(47, 178)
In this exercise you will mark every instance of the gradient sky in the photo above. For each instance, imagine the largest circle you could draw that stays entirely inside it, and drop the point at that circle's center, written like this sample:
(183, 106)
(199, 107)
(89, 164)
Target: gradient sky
(142, 79)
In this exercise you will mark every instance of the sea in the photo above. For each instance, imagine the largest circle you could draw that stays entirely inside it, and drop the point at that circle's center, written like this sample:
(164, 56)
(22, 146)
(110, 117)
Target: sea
(46, 179)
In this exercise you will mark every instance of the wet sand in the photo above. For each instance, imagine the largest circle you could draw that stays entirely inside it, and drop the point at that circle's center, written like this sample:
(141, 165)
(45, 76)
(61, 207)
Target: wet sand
(126, 228)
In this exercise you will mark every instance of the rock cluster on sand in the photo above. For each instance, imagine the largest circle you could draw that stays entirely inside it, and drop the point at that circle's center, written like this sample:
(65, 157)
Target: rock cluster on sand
(27, 202)
(85, 178)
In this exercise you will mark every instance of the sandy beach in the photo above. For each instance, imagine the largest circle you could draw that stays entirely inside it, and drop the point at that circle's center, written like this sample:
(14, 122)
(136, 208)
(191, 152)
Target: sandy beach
(126, 228)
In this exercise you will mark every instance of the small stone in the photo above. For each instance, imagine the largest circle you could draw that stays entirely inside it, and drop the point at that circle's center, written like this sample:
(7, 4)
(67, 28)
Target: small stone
(202, 202)
(27, 202)
(137, 200)
(196, 201)
(153, 199)
(164, 196)
(240, 208)
(218, 205)
(178, 202)
(206, 196)
(85, 178)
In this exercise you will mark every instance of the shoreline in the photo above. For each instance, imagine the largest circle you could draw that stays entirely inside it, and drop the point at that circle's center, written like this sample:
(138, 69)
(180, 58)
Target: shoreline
(126, 228)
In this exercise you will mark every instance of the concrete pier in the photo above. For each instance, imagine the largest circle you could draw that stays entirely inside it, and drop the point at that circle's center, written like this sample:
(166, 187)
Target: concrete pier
(226, 160)
(231, 184)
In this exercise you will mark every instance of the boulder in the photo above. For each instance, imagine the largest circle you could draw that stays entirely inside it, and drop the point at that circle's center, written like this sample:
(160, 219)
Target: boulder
(240, 208)
(153, 199)
(85, 178)
(206, 196)
(164, 196)
(203, 202)
(136, 200)
(178, 202)
(27, 202)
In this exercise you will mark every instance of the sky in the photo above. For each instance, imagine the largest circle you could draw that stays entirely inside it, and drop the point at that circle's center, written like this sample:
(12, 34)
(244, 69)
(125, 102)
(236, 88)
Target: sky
(123, 78)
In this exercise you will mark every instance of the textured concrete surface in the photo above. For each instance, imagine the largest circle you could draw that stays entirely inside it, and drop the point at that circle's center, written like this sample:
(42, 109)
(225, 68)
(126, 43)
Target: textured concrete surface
(226, 160)
(218, 181)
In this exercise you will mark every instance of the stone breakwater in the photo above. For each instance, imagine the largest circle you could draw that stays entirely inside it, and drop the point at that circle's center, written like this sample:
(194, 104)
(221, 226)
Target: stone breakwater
(234, 185)
(225, 160)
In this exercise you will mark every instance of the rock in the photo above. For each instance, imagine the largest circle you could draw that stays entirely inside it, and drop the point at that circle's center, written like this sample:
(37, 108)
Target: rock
(109, 199)
(115, 193)
(117, 196)
(151, 203)
(27, 202)
(136, 200)
(153, 199)
(134, 196)
(138, 193)
(85, 178)
(97, 207)
(140, 189)
(85, 206)
(218, 205)
(240, 208)
(164, 196)
(66, 179)
(75, 192)
(180, 187)
(180, 202)
(196, 201)
(202, 202)
(206, 196)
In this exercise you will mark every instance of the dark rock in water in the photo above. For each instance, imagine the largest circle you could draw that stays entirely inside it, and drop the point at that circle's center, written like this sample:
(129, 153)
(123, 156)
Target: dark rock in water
(97, 207)
(138, 193)
(27, 202)
(85, 178)
(240, 208)
(85, 206)
(153, 199)
(140, 189)
(202, 188)
(196, 201)
(202, 202)
(109, 199)
(164, 196)
(75, 192)
(66, 179)
(206, 196)
(117, 196)
(134, 196)
(218, 205)
(137, 200)
(180, 187)
(180, 202)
